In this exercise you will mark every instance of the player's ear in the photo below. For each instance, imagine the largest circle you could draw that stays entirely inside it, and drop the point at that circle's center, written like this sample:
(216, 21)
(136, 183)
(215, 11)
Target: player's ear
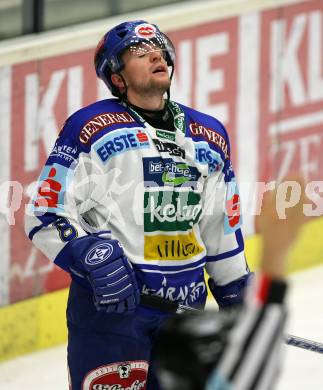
(117, 80)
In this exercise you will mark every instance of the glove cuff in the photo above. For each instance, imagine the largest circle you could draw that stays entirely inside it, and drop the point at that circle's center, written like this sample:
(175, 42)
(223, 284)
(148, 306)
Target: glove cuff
(231, 293)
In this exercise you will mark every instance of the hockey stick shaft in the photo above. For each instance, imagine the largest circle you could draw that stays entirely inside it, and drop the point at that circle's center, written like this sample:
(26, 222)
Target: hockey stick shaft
(177, 308)
(299, 342)
(162, 304)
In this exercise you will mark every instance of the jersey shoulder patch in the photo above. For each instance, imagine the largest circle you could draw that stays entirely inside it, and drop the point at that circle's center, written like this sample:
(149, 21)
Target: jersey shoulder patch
(89, 123)
(205, 128)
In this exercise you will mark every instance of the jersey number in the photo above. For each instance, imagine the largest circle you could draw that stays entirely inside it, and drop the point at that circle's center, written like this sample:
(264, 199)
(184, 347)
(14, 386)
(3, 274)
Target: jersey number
(67, 232)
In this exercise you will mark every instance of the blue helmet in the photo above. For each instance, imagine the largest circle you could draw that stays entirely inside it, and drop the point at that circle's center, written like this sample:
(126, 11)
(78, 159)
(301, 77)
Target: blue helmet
(107, 59)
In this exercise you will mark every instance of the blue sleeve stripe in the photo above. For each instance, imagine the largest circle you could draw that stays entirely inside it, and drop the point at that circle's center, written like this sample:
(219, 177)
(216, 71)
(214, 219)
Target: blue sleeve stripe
(162, 268)
(45, 221)
(232, 253)
(34, 231)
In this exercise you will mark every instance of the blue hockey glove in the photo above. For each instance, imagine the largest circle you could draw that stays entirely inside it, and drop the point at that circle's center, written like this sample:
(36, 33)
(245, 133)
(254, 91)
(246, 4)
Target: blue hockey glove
(231, 293)
(111, 276)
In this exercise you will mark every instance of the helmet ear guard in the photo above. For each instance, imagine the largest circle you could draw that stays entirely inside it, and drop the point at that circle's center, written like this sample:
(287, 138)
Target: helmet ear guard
(128, 35)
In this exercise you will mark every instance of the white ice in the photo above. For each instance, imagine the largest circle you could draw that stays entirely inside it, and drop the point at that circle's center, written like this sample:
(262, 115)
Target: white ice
(46, 370)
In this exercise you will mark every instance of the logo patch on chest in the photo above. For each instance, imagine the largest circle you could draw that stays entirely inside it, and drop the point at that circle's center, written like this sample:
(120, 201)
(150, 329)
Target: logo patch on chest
(171, 211)
(167, 172)
(169, 147)
(121, 141)
(101, 122)
(172, 247)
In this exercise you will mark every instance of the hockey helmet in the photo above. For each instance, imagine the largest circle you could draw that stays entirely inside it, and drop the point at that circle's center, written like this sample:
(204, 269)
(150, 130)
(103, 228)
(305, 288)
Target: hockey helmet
(138, 36)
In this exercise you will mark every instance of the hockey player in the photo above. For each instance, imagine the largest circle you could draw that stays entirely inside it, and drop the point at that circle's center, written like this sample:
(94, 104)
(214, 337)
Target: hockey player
(138, 197)
(236, 349)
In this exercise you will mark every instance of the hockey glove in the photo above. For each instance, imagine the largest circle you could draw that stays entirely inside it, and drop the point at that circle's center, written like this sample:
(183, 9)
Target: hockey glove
(231, 293)
(111, 276)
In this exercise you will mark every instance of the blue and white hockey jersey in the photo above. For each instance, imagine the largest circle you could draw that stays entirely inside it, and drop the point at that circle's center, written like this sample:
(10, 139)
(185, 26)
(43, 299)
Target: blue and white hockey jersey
(169, 197)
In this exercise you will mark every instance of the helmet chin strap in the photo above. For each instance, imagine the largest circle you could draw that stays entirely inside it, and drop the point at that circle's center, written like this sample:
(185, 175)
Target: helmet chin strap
(168, 90)
(123, 95)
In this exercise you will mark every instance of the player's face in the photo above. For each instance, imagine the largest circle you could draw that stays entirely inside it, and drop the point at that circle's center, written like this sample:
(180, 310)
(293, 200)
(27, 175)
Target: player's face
(145, 70)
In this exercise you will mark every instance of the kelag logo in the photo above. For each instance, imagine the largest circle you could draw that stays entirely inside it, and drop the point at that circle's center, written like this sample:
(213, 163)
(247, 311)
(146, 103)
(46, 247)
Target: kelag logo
(121, 141)
(171, 211)
(160, 172)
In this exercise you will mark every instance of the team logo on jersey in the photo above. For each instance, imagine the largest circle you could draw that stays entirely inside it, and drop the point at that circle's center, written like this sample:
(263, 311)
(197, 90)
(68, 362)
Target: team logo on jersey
(169, 147)
(171, 211)
(199, 131)
(233, 218)
(167, 172)
(145, 30)
(51, 191)
(186, 290)
(101, 122)
(124, 370)
(121, 141)
(233, 210)
(64, 152)
(205, 155)
(170, 177)
(172, 247)
(99, 254)
(166, 135)
(128, 375)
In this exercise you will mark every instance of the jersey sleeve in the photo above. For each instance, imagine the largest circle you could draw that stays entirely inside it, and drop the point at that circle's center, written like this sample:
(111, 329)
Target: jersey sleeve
(56, 214)
(252, 356)
(221, 227)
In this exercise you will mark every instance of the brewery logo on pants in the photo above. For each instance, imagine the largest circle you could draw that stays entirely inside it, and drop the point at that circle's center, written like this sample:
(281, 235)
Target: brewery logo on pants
(128, 375)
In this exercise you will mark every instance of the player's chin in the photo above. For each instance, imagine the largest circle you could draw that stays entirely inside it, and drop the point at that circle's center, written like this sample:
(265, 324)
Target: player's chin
(162, 81)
